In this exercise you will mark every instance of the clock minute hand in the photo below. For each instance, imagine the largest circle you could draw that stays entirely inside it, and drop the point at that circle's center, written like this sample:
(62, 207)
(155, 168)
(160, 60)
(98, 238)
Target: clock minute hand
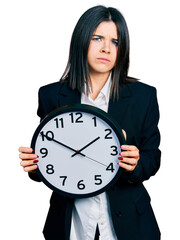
(64, 145)
(79, 151)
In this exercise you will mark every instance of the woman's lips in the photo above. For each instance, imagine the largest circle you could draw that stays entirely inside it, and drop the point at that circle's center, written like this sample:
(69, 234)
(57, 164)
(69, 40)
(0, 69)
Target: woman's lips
(103, 59)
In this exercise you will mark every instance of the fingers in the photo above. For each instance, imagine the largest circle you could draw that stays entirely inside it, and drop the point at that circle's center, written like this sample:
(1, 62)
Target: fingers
(129, 157)
(133, 154)
(28, 159)
(24, 156)
(28, 166)
(124, 134)
(129, 151)
(125, 166)
(129, 161)
(25, 150)
(129, 147)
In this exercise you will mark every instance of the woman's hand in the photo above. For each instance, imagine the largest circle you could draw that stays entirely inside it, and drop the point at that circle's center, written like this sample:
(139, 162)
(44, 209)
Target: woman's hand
(129, 157)
(28, 159)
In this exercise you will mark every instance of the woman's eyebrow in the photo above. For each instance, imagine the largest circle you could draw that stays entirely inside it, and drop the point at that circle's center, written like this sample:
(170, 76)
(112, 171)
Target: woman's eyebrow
(100, 36)
(96, 35)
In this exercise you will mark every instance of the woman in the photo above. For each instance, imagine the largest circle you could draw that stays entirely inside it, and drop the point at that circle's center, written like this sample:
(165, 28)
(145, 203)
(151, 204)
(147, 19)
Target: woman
(97, 74)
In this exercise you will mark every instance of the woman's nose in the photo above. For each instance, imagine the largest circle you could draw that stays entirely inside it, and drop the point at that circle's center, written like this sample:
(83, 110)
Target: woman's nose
(106, 47)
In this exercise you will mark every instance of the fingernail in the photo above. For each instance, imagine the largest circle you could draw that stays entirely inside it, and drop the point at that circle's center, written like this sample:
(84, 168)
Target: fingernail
(35, 161)
(120, 158)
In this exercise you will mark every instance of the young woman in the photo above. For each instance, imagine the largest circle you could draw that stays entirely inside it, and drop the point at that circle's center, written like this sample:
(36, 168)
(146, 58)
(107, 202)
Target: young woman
(97, 74)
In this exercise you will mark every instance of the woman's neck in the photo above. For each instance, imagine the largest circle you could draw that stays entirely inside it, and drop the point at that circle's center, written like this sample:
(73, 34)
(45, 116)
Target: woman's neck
(97, 83)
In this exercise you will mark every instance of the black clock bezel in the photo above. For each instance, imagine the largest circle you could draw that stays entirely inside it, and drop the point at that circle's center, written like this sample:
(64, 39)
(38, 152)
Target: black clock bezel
(88, 109)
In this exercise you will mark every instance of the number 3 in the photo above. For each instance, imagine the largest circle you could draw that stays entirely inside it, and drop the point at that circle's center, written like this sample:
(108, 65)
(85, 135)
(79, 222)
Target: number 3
(114, 150)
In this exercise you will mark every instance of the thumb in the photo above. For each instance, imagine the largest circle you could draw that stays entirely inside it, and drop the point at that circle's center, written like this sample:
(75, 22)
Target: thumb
(124, 133)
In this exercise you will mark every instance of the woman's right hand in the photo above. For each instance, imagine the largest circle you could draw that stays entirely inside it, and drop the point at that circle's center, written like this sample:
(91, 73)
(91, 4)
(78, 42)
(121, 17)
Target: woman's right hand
(28, 159)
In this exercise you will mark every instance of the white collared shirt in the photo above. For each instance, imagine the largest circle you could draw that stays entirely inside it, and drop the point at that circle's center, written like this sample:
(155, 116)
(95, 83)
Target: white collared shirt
(88, 212)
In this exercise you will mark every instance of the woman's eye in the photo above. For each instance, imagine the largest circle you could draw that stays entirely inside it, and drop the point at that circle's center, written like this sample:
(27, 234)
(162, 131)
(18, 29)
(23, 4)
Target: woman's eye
(96, 39)
(115, 43)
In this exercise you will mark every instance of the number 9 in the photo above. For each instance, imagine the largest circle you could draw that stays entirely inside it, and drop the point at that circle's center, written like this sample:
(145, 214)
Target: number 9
(44, 152)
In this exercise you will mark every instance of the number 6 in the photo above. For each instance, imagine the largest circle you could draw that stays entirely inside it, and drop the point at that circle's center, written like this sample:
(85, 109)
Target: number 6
(81, 185)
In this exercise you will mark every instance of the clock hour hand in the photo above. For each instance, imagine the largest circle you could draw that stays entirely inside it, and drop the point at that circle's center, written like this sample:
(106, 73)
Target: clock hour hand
(62, 144)
(79, 151)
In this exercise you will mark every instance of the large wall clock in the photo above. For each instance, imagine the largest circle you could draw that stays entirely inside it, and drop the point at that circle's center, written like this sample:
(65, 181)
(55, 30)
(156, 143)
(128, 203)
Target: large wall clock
(78, 148)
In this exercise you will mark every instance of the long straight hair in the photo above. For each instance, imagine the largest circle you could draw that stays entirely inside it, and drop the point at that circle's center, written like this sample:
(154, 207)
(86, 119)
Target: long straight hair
(77, 70)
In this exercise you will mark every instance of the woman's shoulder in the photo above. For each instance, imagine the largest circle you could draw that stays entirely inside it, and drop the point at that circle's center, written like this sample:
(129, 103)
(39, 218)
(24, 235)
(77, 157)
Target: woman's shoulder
(52, 87)
(49, 98)
(138, 84)
(141, 94)
(139, 88)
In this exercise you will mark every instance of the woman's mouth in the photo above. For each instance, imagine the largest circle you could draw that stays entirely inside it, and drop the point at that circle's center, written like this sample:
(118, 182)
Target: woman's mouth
(103, 59)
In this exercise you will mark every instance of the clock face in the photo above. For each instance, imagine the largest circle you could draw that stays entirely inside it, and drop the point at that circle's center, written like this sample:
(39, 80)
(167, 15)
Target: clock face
(78, 148)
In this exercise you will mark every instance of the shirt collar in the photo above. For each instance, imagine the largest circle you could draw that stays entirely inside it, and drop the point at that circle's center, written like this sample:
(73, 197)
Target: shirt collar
(106, 89)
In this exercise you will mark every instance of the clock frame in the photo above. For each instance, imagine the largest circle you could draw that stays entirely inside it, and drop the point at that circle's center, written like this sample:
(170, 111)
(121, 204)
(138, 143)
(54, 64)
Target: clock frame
(63, 121)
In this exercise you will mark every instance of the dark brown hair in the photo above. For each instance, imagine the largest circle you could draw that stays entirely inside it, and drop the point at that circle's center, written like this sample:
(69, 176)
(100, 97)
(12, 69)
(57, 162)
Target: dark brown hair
(77, 71)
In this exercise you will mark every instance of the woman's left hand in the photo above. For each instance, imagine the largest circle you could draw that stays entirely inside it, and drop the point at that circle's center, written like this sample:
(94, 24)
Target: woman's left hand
(129, 157)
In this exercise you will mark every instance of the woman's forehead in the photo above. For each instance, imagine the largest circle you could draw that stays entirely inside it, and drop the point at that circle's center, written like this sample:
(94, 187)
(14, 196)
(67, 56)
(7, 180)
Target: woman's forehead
(106, 28)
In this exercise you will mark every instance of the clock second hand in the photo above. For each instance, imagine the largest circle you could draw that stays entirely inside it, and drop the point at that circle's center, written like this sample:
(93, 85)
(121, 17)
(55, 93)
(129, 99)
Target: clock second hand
(79, 152)
(95, 161)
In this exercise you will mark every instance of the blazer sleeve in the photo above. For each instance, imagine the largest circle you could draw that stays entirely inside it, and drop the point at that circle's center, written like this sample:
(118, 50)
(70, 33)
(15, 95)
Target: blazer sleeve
(47, 102)
(41, 112)
(150, 154)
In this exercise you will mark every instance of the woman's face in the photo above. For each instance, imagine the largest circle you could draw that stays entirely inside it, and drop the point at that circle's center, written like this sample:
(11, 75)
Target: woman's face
(103, 48)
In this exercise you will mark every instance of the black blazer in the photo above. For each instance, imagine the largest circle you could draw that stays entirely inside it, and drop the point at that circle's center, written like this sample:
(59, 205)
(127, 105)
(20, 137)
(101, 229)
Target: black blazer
(137, 113)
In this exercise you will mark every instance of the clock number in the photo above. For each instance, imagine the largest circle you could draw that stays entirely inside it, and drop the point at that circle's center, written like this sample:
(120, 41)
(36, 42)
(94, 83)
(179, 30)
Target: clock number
(57, 122)
(95, 123)
(109, 131)
(98, 179)
(114, 150)
(49, 169)
(80, 116)
(64, 179)
(44, 152)
(77, 119)
(80, 185)
(49, 135)
(110, 167)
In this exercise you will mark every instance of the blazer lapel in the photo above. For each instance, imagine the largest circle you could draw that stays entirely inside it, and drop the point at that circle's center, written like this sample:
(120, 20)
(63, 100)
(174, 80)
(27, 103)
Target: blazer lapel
(118, 108)
(68, 96)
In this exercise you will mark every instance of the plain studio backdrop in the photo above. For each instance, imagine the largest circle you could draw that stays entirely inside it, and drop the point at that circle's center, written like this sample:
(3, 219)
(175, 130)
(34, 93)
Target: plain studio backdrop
(34, 45)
